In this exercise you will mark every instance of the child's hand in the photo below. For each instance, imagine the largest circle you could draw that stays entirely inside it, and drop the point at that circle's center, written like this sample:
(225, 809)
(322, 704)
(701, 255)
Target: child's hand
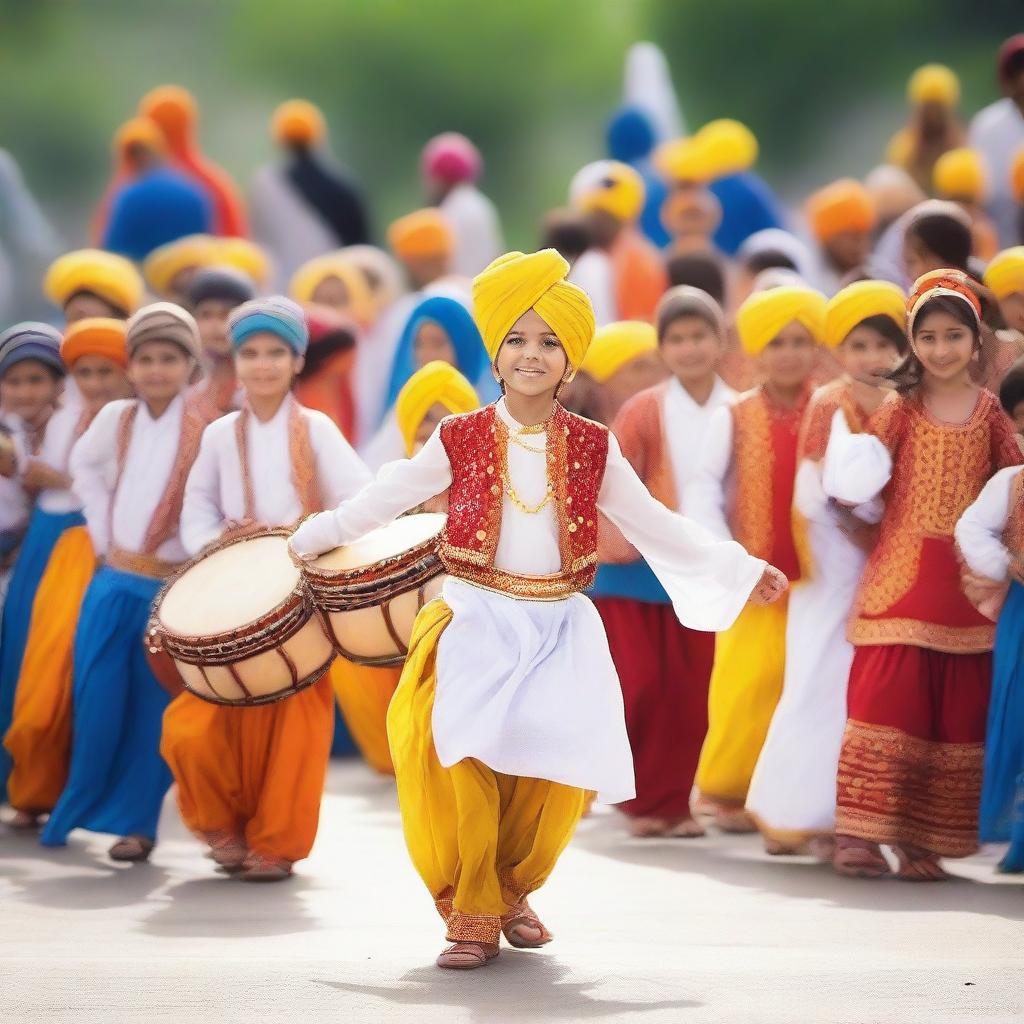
(985, 594)
(772, 585)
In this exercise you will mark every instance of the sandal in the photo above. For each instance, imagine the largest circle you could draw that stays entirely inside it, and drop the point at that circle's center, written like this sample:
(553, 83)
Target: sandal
(227, 849)
(467, 956)
(685, 828)
(24, 821)
(918, 865)
(647, 828)
(524, 917)
(859, 858)
(132, 849)
(734, 820)
(258, 868)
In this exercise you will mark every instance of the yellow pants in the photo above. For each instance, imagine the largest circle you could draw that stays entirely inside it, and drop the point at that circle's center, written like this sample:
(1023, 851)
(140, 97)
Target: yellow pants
(480, 841)
(363, 694)
(746, 684)
(39, 739)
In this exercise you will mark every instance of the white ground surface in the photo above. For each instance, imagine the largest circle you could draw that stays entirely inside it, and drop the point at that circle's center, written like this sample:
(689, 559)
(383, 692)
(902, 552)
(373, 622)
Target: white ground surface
(678, 931)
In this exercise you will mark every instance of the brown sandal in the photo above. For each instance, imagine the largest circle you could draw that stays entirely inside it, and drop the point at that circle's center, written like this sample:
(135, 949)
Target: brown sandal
(859, 858)
(522, 916)
(467, 956)
(918, 865)
(131, 849)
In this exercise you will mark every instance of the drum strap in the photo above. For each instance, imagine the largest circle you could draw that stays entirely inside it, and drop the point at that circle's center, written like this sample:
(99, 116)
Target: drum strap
(167, 514)
(302, 457)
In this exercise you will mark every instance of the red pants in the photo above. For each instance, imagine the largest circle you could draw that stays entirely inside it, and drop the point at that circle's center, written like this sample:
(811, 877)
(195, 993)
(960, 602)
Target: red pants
(664, 669)
(911, 762)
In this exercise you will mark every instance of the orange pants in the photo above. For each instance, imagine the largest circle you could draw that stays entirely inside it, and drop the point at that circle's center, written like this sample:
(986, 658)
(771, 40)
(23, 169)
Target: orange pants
(364, 695)
(256, 773)
(39, 739)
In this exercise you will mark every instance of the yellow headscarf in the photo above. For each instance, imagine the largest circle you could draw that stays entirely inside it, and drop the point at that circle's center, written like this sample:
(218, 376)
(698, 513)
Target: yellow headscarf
(934, 83)
(164, 264)
(113, 278)
(1005, 274)
(610, 186)
(615, 345)
(516, 282)
(765, 313)
(245, 256)
(437, 382)
(960, 174)
(333, 264)
(857, 302)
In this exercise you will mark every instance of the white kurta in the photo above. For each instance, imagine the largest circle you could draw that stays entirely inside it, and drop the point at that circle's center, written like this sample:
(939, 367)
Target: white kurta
(474, 221)
(15, 504)
(794, 783)
(997, 132)
(55, 452)
(151, 454)
(979, 531)
(215, 493)
(528, 687)
(705, 496)
(593, 273)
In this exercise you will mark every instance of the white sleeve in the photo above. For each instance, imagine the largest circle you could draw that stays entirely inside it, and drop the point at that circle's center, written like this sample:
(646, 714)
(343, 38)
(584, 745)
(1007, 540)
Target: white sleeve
(93, 467)
(704, 498)
(857, 466)
(340, 471)
(399, 486)
(709, 580)
(979, 530)
(202, 515)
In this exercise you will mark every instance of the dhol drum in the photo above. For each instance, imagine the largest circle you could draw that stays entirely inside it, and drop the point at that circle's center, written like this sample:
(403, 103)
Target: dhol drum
(369, 592)
(239, 624)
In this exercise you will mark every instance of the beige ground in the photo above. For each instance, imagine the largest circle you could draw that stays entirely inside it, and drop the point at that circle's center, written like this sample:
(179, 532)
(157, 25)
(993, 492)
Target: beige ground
(648, 931)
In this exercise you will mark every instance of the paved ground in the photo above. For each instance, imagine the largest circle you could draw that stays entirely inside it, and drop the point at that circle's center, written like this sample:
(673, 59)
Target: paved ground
(648, 931)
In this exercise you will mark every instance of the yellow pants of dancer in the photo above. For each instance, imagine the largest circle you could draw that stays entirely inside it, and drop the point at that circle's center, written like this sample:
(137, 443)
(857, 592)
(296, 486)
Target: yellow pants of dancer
(746, 684)
(363, 695)
(39, 738)
(481, 841)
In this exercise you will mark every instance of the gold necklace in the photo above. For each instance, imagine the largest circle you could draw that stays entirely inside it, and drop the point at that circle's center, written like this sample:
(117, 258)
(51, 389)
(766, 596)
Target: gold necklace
(530, 510)
(514, 438)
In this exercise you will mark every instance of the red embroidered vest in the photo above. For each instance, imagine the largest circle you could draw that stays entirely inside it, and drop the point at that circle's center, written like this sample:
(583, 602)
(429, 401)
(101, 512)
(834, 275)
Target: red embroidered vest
(477, 447)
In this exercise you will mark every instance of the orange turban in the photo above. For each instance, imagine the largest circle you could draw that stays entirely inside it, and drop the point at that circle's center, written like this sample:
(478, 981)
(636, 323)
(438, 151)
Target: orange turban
(95, 336)
(845, 205)
(139, 131)
(421, 233)
(960, 174)
(764, 314)
(857, 302)
(298, 122)
(516, 282)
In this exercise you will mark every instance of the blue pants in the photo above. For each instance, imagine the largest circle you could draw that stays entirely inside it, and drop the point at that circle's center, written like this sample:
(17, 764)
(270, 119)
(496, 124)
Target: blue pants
(118, 779)
(44, 530)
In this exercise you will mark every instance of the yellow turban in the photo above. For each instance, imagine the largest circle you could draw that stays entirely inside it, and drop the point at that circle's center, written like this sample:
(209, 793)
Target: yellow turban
(516, 282)
(113, 278)
(437, 382)
(1005, 274)
(610, 186)
(857, 302)
(684, 160)
(934, 83)
(1017, 177)
(95, 336)
(960, 174)
(164, 264)
(421, 233)
(298, 122)
(845, 205)
(305, 280)
(764, 314)
(617, 344)
(728, 147)
(245, 256)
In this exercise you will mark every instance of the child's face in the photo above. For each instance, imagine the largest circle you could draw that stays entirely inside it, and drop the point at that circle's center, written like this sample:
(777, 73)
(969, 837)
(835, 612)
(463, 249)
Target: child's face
(1018, 417)
(266, 366)
(432, 342)
(159, 370)
(100, 380)
(531, 360)
(28, 389)
(434, 415)
(849, 249)
(788, 359)
(85, 304)
(212, 318)
(944, 345)
(691, 349)
(333, 292)
(866, 353)
(917, 259)
(1012, 308)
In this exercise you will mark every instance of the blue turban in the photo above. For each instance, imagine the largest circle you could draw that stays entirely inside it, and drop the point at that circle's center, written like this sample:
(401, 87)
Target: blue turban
(630, 135)
(275, 315)
(31, 340)
(455, 320)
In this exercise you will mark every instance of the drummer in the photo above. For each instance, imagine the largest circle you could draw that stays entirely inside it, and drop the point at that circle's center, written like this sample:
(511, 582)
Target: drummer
(129, 469)
(509, 708)
(250, 778)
